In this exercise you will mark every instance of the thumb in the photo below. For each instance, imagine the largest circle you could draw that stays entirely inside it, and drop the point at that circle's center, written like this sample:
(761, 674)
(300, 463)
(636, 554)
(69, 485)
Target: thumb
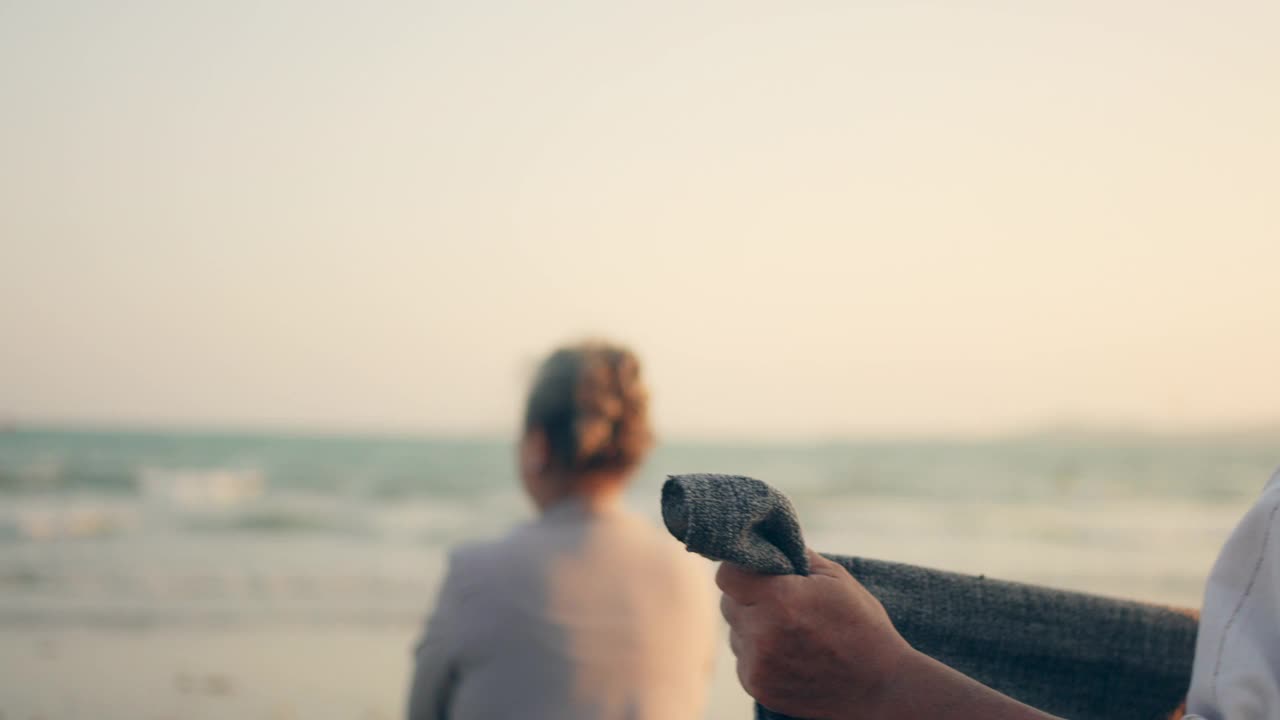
(819, 565)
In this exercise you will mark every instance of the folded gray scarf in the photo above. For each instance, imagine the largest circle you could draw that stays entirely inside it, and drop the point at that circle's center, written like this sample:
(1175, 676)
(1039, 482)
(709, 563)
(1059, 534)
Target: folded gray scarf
(1074, 655)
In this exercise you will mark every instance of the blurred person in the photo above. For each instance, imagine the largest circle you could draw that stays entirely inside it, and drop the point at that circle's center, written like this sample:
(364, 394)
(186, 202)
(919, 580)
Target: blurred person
(821, 646)
(588, 612)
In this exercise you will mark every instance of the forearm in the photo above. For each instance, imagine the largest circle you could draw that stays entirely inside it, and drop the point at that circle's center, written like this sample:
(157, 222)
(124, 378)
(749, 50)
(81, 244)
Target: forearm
(923, 688)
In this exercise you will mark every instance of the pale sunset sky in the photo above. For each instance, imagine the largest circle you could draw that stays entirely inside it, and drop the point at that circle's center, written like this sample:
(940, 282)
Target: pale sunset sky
(812, 219)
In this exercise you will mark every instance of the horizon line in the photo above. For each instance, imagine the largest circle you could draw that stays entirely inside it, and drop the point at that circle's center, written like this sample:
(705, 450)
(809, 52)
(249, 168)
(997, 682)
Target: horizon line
(1065, 429)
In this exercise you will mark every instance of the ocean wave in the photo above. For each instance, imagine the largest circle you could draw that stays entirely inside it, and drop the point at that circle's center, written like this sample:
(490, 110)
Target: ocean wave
(280, 520)
(202, 488)
(51, 474)
(65, 523)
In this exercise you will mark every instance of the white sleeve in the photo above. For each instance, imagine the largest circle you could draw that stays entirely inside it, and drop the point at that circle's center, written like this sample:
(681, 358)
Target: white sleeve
(1236, 674)
(436, 657)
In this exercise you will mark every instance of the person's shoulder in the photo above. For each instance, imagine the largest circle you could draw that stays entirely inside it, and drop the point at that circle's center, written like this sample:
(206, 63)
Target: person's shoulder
(470, 567)
(671, 554)
(1272, 489)
(1264, 510)
(1253, 538)
(686, 580)
(478, 564)
(465, 602)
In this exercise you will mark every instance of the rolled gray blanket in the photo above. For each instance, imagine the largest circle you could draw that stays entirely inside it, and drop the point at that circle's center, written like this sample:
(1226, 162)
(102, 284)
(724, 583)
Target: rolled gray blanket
(1071, 654)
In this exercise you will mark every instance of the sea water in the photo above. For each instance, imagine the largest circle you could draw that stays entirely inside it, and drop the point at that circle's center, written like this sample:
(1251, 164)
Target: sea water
(178, 575)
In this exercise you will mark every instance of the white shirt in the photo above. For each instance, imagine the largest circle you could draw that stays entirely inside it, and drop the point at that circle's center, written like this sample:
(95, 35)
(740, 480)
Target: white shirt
(1236, 673)
(580, 615)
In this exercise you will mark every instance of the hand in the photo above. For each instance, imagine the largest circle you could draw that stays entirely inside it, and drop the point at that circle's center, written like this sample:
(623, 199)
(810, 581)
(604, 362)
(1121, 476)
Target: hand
(816, 646)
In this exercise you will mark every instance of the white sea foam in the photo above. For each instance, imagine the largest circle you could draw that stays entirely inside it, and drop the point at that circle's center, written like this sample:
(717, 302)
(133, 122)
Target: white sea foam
(201, 488)
(67, 517)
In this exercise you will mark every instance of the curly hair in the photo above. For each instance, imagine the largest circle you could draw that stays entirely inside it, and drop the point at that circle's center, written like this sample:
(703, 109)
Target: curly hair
(592, 405)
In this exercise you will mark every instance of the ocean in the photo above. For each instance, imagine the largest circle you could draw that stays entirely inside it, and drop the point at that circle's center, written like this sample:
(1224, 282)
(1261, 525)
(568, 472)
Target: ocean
(189, 575)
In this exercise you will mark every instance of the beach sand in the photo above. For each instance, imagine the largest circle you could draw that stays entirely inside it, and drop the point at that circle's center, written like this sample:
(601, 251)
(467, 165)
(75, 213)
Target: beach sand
(218, 673)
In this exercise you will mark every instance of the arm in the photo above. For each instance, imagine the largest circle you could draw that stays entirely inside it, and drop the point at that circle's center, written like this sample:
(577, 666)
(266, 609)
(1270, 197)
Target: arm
(436, 657)
(1237, 667)
(925, 688)
(821, 646)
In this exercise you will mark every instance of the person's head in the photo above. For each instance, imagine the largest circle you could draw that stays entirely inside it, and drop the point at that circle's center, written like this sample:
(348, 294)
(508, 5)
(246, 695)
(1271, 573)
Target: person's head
(586, 423)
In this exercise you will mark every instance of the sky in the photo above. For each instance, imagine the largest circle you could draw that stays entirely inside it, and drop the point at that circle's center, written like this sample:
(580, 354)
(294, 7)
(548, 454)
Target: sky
(811, 219)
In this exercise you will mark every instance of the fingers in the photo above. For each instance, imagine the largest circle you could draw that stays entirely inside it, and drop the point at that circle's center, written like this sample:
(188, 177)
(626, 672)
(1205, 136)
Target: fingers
(744, 673)
(729, 609)
(819, 565)
(738, 583)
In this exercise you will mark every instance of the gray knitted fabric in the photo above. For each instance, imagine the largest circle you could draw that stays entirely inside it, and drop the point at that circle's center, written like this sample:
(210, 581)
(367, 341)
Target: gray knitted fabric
(738, 519)
(1070, 654)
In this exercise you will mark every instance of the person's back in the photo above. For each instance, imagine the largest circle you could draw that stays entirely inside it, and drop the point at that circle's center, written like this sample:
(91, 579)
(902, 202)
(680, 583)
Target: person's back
(585, 613)
(588, 612)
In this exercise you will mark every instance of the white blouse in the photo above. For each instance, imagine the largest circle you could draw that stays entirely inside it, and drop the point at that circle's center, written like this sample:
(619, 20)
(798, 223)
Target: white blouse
(1236, 673)
(583, 614)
